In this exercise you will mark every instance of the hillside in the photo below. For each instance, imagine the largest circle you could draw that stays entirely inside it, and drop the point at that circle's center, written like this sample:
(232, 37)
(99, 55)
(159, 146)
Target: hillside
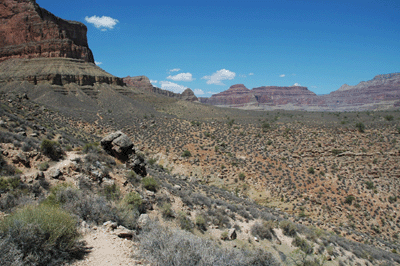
(151, 178)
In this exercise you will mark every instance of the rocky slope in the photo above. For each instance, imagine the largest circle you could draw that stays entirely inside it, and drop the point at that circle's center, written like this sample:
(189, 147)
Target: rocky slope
(29, 31)
(143, 83)
(382, 92)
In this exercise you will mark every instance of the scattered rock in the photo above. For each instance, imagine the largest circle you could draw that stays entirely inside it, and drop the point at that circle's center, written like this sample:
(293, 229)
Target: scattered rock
(118, 145)
(54, 173)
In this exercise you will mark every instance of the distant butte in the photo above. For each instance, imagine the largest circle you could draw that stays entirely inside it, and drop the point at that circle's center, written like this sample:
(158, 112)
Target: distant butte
(382, 92)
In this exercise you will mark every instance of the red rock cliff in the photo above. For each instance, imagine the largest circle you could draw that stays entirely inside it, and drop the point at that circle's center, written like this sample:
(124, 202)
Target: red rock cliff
(29, 31)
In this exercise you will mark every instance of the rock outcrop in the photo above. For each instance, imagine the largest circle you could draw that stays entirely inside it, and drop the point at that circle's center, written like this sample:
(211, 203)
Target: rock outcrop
(143, 83)
(29, 31)
(121, 147)
(188, 95)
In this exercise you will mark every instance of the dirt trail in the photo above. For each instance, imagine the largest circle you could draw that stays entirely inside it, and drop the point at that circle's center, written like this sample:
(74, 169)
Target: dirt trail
(107, 249)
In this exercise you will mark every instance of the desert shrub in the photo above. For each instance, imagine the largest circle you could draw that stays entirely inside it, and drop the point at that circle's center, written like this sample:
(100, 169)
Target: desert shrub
(311, 170)
(389, 117)
(288, 228)
(150, 183)
(349, 199)
(200, 199)
(219, 217)
(242, 176)
(6, 169)
(52, 149)
(392, 199)
(360, 127)
(43, 166)
(303, 245)
(9, 183)
(132, 177)
(127, 216)
(111, 192)
(167, 211)
(186, 153)
(39, 235)
(264, 230)
(91, 148)
(87, 206)
(200, 222)
(151, 161)
(184, 222)
(166, 247)
(370, 184)
(133, 199)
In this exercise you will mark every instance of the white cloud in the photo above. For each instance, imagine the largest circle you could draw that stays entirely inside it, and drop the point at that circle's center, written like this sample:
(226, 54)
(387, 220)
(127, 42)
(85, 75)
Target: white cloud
(198, 92)
(251, 74)
(181, 77)
(296, 84)
(103, 22)
(98, 63)
(174, 70)
(153, 81)
(282, 76)
(168, 85)
(222, 74)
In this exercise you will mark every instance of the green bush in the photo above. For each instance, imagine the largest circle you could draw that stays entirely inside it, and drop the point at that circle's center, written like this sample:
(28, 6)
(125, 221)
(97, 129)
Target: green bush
(111, 192)
(91, 147)
(133, 199)
(184, 222)
(132, 177)
(9, 183)
(39, 235)
(303, 245)
(186, 153)
(311, 170)
(264, 230)
(201, 223)
(150, 183)
(167, 211)
(370, 184)
(288, 228)
(349, 199)
(242, 176)
(389, 117)
(43, 166)
(52, 149)
(360, 127)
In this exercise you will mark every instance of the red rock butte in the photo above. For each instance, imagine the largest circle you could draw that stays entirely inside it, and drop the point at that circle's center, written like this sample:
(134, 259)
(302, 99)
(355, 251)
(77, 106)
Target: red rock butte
(29, 31)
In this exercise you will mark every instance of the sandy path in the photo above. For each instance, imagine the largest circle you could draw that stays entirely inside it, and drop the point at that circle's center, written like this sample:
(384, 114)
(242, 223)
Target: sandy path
(107, 249)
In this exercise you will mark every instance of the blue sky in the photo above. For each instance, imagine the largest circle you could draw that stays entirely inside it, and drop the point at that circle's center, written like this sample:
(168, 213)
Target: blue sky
(210, 45)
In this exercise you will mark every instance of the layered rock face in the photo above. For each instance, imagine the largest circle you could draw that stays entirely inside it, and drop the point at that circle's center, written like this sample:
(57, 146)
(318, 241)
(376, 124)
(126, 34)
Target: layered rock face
(382, 92)
(38, 47)
(143, 83)
(28, 31)
(55, 71)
